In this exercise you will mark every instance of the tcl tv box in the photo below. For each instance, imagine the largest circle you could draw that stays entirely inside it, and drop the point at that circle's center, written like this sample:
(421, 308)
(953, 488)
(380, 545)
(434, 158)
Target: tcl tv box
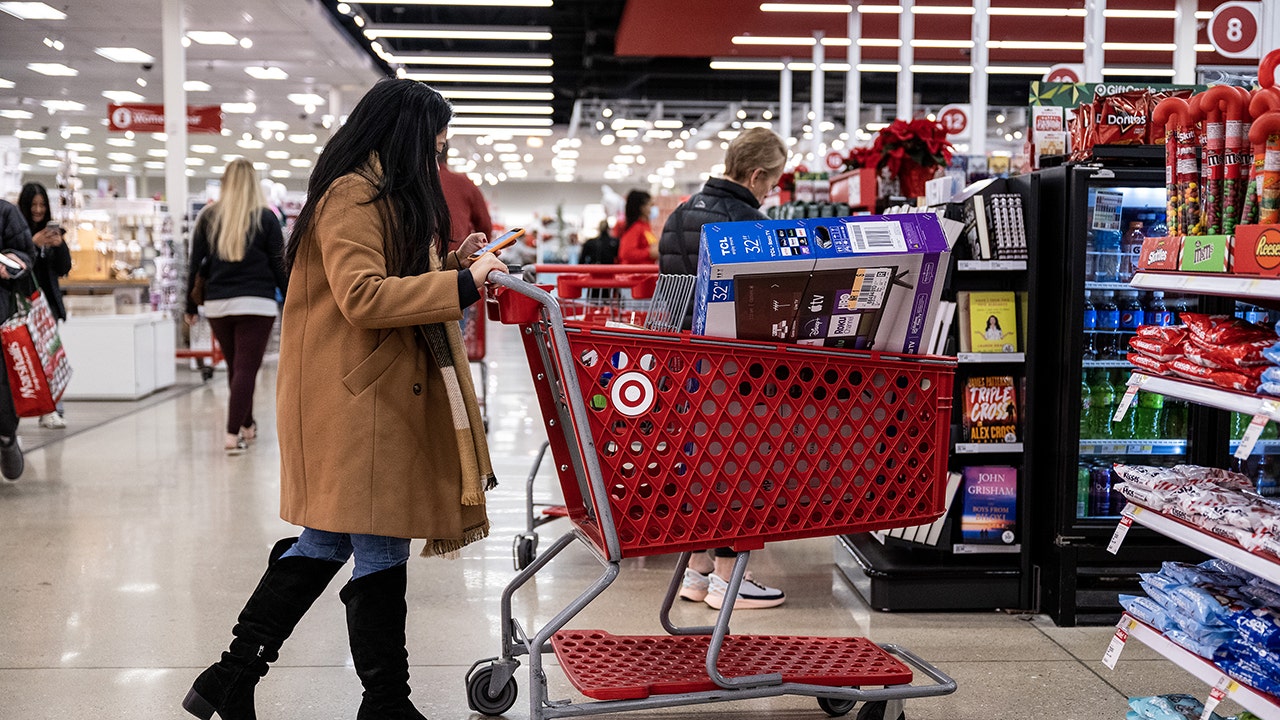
(867, 282)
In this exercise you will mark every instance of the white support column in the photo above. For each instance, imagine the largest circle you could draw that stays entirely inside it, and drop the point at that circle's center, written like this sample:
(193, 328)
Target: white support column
(978, 80)
(1095, 33)
(818, 92)
(906, 33)
(853, 80)
(174, 69)
(784, 100)
(1184, 38)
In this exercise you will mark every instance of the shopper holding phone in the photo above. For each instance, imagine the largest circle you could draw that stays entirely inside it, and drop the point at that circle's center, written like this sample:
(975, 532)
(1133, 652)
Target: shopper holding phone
(381, 439)
(52, 261)
(753, 165)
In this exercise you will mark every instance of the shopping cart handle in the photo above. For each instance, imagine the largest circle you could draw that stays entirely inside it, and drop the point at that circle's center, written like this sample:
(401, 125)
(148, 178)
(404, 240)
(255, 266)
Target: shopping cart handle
(643, 269)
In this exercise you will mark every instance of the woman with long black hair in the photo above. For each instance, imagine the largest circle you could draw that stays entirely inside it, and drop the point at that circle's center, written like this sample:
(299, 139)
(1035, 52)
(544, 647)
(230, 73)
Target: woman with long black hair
(52, 261)
(380, 436)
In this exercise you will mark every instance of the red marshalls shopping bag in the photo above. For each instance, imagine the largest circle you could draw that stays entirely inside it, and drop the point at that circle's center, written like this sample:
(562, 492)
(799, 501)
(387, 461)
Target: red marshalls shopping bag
(34, 357)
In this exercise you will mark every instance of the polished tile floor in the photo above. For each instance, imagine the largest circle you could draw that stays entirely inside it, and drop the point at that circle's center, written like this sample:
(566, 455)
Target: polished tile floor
(129, 548)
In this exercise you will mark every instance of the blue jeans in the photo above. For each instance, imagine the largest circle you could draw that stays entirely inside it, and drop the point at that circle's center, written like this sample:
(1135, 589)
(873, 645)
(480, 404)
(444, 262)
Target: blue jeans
(373, 552)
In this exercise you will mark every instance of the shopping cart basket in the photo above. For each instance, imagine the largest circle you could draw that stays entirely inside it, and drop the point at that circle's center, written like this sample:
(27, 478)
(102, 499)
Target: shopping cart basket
(666, 442)
(595, 294)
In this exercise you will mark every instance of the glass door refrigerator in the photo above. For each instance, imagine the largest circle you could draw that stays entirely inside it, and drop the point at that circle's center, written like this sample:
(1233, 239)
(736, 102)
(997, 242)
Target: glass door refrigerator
(1093, 220)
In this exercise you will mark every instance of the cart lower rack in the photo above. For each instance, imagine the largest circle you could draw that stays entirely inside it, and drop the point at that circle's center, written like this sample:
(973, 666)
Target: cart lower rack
(670, 443)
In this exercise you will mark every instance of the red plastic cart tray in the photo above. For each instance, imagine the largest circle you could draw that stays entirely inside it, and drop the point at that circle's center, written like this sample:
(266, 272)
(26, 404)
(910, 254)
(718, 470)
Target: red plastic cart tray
(623, 667)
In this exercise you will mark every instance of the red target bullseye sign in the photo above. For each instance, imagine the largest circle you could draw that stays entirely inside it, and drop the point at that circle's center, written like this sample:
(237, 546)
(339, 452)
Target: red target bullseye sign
(632, 394)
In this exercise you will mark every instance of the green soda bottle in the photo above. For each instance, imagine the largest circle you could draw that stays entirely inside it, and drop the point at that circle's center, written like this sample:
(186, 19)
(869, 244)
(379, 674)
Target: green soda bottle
(1104, 405)
(1086, 409)
(1239, 423)
(1148, 416)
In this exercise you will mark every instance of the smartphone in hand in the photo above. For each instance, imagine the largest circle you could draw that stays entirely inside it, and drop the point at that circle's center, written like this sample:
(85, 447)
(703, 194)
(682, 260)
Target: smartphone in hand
(505, 240)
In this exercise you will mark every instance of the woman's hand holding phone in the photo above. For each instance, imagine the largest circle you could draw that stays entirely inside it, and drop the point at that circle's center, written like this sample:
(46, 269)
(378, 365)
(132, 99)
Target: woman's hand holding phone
(474, 242)
(482, 266)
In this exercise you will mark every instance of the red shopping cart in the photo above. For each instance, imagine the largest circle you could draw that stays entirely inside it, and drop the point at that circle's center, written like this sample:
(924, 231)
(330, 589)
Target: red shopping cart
(671, 443)
(200, 335)
(600, 294)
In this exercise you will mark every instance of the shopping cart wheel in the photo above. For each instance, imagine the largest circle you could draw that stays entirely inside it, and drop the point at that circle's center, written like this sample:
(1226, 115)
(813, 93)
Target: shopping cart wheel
(206, 372)
(525, 549)
(481, 701)
(836, 707)
(874, 711)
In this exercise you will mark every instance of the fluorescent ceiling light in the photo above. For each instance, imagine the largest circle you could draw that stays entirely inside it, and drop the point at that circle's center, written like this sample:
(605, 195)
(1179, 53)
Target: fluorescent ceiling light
(277, 154)
(879, 67)
(474, 60)
(272, 125)
(305, 99)
(124, 55)
(772, 40)
(961, 44)
(40, 151)
(1142, 14)
(74, 130)
(250, 144)
(886, 9)
(212, 37)
(458, 32)
(1204, 14)
(158, 152)
(122, 157)
(1163, 72)
(29, 135)
(266, 73)
(203, 149)
(160, 137)
(49, 163)
(1017, 69)
(668, 124)
(1034, 45)
(941, 10)
(746, 65)
(32, 11)
(196, 86)
(63, 105)
(303, 139)
(953, 69)
(153, 165)
(300, 163)
(53, 69)
(1037, 12)
(6, 84)
(79, 147)
(122, 96)
(805, 7)
(497, 121)
(478, 77)
(468, 3)
(16, 114)
(120, 168)
(503, 109)
(121, 142)
(1205, 48)
(244, 108)
(535, 95)
(1140, 46)
(879, 42)
(501, 132)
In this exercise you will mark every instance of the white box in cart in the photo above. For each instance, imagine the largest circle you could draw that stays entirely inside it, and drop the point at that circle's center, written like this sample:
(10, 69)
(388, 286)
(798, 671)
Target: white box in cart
(867, 282)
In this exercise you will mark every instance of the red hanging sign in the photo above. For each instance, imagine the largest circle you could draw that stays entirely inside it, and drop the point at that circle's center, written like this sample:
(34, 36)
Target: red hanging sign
(150, 118)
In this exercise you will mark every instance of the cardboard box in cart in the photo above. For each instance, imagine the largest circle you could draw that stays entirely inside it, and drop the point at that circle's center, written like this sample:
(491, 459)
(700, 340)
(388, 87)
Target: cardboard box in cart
(866, 282)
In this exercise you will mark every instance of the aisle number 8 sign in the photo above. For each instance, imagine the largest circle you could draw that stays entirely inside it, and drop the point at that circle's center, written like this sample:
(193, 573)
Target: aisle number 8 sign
(1234, 29)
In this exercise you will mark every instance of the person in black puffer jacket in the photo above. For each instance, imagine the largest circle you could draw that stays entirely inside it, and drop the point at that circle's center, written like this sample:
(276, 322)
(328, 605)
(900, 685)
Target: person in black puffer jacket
(752, 166)
(15, 242)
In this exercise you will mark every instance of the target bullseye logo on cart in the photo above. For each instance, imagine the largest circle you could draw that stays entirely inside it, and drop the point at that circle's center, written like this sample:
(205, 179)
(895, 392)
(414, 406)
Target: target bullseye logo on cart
(632, 393)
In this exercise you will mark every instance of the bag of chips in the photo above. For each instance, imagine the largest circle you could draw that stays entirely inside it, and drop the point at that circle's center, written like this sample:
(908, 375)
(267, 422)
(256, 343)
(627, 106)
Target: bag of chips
(1218, 330)
(1170, 334)
(1156, 349)
(1148, 364)
(1182, 367)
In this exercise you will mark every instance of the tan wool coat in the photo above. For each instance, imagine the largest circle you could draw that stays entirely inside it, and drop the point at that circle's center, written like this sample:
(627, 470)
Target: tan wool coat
(367, 443)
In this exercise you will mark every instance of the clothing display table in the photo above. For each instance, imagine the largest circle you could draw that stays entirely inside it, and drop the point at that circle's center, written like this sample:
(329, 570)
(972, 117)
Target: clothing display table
(119, 357)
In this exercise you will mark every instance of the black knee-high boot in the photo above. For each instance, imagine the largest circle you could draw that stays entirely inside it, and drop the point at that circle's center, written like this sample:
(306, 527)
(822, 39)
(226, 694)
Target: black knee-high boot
(376, 613)
(285, 593)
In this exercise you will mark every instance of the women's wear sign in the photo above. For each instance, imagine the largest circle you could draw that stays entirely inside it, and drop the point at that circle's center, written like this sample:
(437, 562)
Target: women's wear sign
(150, 118)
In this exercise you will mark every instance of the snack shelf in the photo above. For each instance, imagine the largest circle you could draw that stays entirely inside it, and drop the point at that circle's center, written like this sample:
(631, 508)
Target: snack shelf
(1106, 364)
(979, 265)
(1205, 395)
(970, 357)
(1132, 447)
(1239, 286)
(1258, 703)
(977, 448)
(1261, 565)
(1094, 285)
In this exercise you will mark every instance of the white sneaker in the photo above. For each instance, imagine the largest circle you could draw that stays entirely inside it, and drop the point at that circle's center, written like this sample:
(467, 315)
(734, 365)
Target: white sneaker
(53, 421)
(694, 586)
(751, 594)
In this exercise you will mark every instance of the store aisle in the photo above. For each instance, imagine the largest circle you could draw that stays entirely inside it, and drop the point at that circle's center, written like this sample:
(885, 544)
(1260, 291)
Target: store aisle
(128, 550)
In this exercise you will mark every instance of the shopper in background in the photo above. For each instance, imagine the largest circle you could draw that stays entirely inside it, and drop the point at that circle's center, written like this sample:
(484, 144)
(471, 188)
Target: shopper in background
(238, 248)
(15, 242)
(52, 261)
(637, 244)
(468, 211)
(601, 249)
(753, 165)
(381, 436)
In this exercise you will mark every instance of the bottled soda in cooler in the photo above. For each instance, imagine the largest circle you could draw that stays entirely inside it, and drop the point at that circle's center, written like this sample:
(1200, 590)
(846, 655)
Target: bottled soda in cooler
(1086, 408)
(1156, 311)
(1090, 328)
(1108, 326)
(1157, 226)
(1102, 404)
(1090, 256)
(1148, 416)
(1108, 251)
(1238, 423)
(1178, 305)
(1099, 490)
(1083, 480)
(1126, 428)
(1132, 317)
(1175, 419)
(1131, 250)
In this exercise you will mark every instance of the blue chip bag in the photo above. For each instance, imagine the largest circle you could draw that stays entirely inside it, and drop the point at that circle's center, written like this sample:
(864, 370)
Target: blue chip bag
(1260, 626)
(1273, 353)
(1159, 580)
(1198, 575)
(1170, 707)
(1252, 674)
(1222, 566)
(1160, 597)
(1204, 648)
(1207, 605)
(1148, 611)
(1268, 388)
(1268, 660)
